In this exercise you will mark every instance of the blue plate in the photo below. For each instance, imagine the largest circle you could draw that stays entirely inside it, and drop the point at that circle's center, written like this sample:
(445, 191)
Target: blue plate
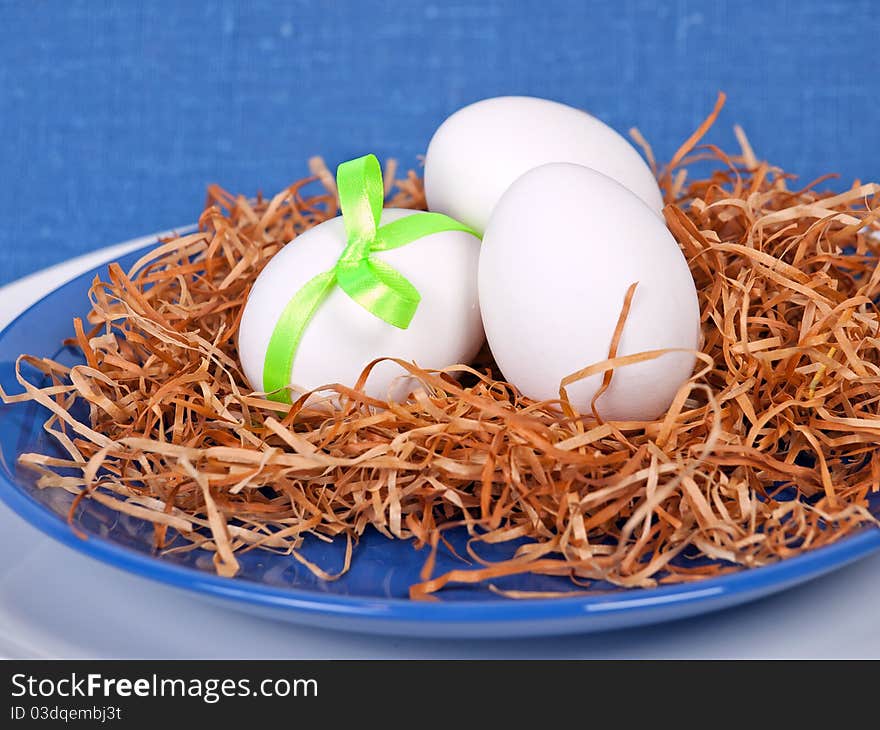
(372, 596)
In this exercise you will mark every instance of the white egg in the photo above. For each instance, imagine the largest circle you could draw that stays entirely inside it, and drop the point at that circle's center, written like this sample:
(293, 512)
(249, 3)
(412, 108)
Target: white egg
(343, 337)
(560, 252)
(481, 149)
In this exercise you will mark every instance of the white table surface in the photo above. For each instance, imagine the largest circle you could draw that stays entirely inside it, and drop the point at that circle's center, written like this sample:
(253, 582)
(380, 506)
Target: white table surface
(57, 603)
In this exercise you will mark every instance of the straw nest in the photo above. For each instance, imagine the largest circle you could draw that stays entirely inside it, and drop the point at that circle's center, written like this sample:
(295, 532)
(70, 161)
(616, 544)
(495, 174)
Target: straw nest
(768, 450)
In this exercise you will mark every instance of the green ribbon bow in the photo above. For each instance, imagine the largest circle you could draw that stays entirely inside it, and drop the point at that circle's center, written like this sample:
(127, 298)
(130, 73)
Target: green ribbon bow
(372, 283)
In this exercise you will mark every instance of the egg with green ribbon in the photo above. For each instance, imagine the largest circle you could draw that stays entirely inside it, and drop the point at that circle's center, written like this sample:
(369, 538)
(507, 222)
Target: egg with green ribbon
(371, 283)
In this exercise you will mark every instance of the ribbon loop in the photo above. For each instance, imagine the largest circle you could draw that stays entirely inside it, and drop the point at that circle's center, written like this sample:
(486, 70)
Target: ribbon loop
(361, 196)
(382, 291)
(368, 280)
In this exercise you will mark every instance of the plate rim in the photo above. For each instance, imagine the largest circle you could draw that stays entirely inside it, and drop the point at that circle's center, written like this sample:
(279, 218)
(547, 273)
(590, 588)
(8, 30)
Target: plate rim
(733, 587)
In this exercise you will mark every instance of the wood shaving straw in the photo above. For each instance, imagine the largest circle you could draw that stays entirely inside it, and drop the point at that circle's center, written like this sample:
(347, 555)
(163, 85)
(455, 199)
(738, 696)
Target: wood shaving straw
(768, 451)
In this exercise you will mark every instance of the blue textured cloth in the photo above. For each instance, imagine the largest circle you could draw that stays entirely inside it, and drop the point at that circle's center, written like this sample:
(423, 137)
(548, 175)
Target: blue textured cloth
(115, 115)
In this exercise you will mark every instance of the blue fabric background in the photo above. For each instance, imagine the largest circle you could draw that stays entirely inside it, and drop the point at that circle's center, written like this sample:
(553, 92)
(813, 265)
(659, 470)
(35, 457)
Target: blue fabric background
(115, 115)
